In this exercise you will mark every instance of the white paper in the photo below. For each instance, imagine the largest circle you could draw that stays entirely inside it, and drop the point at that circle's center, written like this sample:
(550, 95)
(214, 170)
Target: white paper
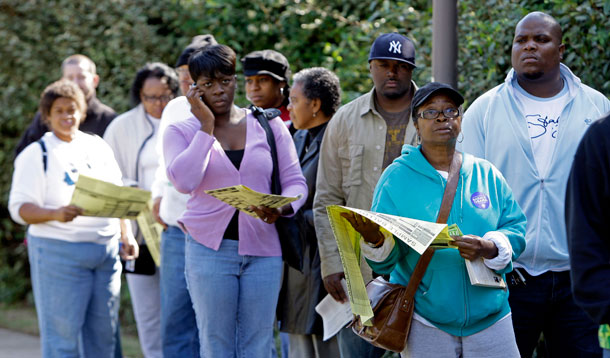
(481, 275)
(335, 315)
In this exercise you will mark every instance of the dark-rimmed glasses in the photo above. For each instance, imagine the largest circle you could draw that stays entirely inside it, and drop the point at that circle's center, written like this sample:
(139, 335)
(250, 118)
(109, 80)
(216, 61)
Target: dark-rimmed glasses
(152, 99)
(433, 113)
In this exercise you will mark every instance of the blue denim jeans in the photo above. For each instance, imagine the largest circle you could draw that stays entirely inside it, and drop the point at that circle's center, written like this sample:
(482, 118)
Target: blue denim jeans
(350, 345)
(76, 290)
(545, 304)
(178, 325)
(234, 297)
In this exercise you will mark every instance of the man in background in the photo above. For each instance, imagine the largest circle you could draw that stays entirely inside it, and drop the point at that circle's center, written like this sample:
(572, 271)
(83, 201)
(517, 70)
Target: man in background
(361, 140)
(529, 127)
(80, 70)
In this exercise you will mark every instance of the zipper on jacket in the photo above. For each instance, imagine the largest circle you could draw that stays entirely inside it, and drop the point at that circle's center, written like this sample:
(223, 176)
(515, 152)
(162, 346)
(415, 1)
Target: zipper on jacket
(466, 280)
(538, 229)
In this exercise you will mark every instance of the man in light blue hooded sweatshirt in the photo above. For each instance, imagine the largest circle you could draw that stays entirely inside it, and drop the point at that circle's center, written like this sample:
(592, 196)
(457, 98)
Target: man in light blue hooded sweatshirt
(529, 127)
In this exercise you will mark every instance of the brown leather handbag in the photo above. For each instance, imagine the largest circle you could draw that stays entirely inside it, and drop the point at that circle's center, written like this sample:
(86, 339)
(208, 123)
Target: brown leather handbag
(393, 305)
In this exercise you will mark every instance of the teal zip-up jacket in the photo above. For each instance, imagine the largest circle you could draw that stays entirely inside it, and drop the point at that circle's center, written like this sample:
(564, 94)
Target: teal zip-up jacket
(411, 187)
(494, 128)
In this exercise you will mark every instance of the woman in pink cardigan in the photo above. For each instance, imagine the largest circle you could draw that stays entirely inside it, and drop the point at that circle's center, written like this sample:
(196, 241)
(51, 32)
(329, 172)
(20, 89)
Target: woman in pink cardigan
(233, 260)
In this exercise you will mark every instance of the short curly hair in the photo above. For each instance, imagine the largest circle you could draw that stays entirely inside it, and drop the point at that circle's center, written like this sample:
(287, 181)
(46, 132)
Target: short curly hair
(58, 89)
(153, 70)
(321, 83)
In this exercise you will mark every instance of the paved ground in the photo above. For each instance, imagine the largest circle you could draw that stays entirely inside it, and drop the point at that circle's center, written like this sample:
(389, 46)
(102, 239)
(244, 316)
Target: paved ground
(13, 344)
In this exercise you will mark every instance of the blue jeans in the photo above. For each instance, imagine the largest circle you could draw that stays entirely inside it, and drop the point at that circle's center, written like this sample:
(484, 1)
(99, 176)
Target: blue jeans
(234, 297)
(350, 345)
(545, 304)
(76, 290)
(178, 325)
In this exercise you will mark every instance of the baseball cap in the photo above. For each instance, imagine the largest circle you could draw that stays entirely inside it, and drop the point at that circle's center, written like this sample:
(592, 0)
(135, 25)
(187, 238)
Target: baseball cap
(424, 92)
(393, 46)
(198, 42)
(267, 62)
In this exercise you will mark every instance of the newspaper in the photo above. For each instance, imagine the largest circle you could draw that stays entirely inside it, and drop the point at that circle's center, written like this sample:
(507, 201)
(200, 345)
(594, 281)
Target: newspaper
(417, 234)
(102, 199)
(478, 272)
(335, 315)
(151, 231)
(241, 197)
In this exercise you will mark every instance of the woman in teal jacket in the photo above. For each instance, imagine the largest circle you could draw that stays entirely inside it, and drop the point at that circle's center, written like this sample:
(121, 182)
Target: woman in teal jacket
(452, 317)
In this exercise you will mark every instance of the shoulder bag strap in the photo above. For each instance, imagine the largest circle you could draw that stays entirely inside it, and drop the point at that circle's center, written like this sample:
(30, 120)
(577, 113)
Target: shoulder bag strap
(443, 215)
(263, 117)
(43, 147)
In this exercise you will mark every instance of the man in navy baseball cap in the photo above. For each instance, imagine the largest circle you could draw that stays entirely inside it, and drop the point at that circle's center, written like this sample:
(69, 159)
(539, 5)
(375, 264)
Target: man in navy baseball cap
(362, 139)
(393, 46)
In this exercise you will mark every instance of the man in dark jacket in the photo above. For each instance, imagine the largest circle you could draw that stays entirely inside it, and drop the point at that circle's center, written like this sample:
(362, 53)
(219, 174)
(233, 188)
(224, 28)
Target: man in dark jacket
(587, 216)
(80, 70)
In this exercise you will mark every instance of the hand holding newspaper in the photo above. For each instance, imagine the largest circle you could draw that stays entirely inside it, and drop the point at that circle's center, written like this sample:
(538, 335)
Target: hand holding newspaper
(417, 234)
(102, 199)
(241, 197)
(478, 272)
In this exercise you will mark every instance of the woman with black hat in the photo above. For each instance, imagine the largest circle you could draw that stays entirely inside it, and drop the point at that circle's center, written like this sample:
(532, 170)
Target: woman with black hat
(267, 73)
(453, 318)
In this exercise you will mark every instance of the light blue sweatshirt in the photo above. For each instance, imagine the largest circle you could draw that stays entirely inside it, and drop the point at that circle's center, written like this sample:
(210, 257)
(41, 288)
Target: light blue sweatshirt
(411, 187)
(494, 128)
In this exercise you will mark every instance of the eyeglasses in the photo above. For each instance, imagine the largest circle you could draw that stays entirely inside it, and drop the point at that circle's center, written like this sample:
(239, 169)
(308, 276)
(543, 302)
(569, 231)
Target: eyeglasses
(433, 113)
(152, 99)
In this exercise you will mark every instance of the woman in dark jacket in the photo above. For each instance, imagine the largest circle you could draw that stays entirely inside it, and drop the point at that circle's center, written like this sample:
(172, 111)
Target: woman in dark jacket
(314, 99)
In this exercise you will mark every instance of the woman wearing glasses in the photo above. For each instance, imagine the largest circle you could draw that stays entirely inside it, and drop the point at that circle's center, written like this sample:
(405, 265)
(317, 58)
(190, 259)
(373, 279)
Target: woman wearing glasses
(133, 136)
(453, 318)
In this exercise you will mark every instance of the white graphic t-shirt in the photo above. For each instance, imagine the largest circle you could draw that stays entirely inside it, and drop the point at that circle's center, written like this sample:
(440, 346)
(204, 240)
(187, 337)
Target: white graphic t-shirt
(542, 116)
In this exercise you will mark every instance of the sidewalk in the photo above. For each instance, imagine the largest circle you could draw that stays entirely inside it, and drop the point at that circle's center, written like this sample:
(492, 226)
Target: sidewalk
(13, 344)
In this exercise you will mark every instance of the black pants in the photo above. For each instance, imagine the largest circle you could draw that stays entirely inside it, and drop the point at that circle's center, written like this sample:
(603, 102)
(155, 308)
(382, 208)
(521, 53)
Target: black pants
(545, 304)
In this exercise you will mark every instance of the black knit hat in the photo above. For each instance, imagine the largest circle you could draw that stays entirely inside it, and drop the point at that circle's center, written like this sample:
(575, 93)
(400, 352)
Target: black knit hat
(267, 62)
(198, 42)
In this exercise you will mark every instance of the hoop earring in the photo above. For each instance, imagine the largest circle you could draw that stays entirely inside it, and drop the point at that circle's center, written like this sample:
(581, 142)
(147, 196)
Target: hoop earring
(418, 139)
(460, 140)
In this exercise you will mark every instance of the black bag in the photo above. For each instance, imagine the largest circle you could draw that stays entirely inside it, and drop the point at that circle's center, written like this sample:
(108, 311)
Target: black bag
(287, 228)
(144, 264)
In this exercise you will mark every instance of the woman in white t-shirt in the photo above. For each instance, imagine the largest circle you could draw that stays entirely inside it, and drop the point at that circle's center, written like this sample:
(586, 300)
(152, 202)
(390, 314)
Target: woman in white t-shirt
(74, 260)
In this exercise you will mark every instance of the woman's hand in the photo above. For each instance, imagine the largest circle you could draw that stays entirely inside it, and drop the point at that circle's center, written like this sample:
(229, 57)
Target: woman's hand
(368, 229)
(67, 213)
(129, 248)
(270, 215)
(200, 110)
(472, 247)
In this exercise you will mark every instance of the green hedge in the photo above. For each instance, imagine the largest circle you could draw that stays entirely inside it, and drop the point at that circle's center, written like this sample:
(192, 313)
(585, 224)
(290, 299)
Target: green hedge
(120, 36)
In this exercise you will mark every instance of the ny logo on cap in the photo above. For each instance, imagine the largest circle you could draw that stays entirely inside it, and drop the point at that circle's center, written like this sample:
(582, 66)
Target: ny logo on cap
(395, 47)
